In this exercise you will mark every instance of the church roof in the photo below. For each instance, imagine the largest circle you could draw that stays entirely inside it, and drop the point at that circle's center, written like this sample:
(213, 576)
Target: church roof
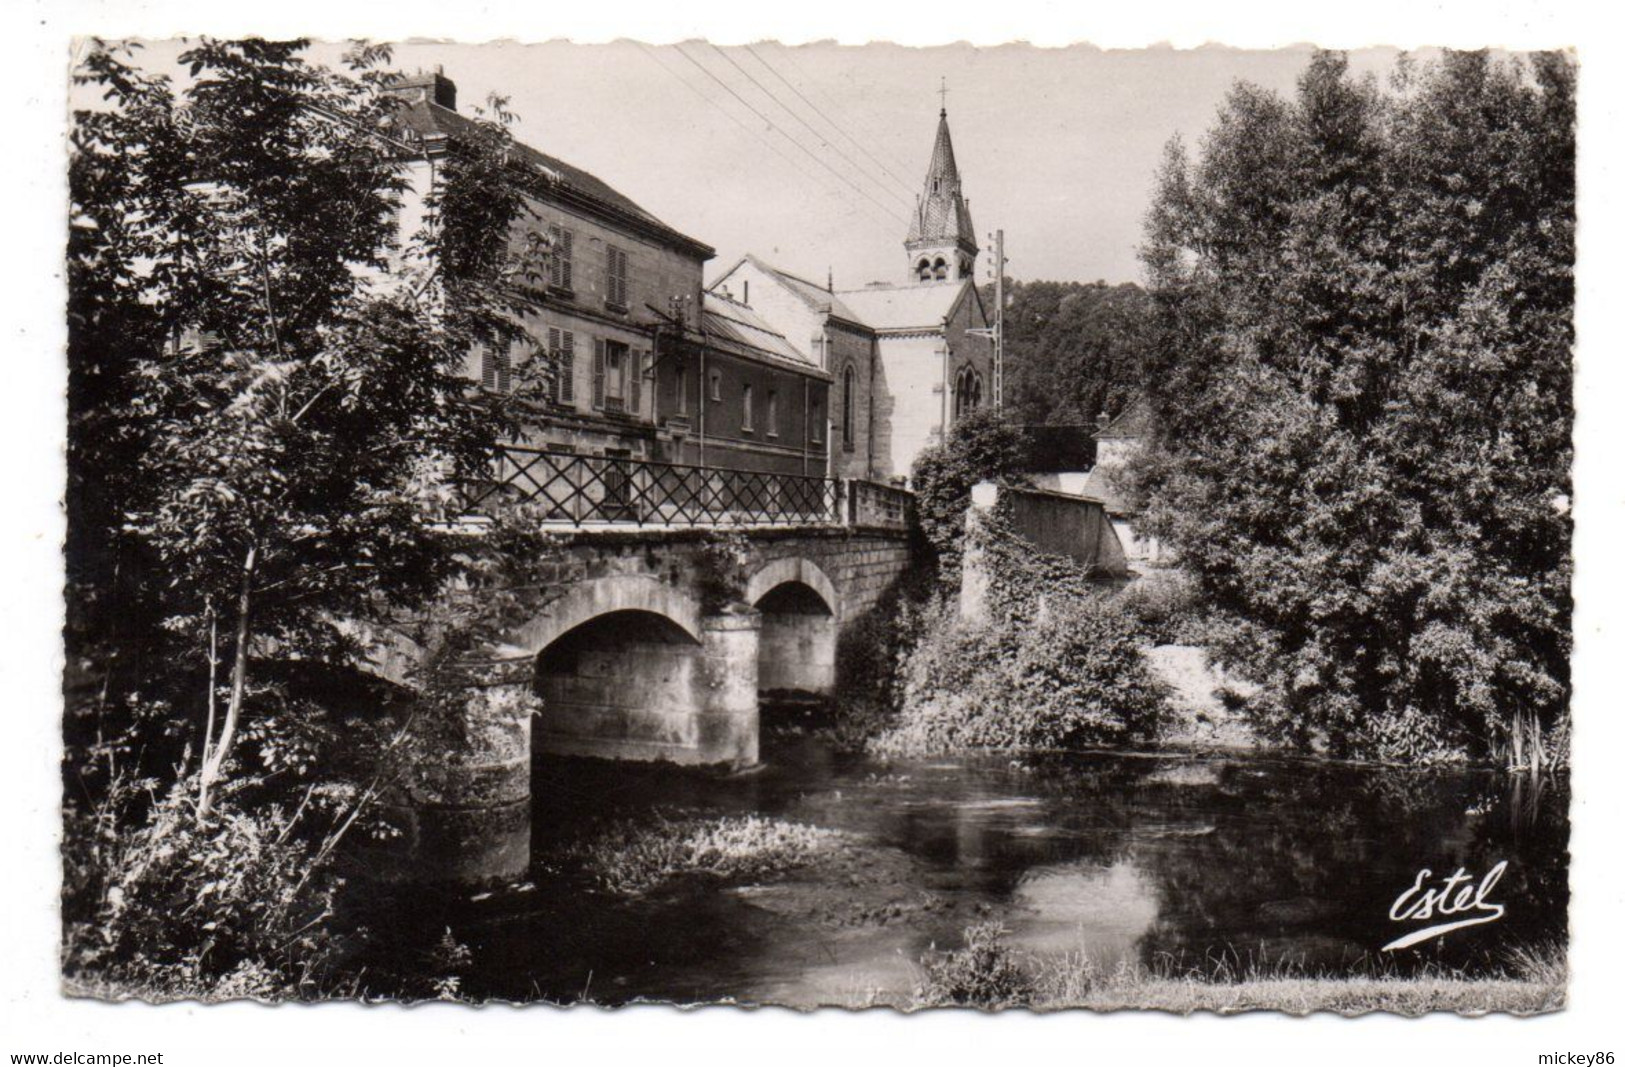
(942, 218)
(903, 307)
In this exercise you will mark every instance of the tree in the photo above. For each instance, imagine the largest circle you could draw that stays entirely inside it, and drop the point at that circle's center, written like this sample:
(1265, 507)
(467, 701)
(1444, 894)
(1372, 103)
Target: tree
(266, 402)
(1074, 351)
(981, 446)
(1362, 387)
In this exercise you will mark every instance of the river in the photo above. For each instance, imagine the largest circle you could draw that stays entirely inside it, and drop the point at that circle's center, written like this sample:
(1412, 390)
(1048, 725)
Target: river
(1186, 862)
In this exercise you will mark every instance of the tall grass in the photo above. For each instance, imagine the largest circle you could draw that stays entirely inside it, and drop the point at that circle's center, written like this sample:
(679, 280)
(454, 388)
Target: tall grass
(988, 973)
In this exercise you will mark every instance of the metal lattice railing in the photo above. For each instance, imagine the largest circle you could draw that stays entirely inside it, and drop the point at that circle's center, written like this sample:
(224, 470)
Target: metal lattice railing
(567, 488)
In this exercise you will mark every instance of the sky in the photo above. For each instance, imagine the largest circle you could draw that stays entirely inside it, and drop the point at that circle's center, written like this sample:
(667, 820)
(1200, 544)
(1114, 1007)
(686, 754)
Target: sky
(811, 156)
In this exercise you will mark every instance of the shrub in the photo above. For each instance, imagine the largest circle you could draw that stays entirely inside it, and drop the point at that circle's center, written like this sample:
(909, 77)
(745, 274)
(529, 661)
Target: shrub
(635, 856)
(981, 447)
(162, 908)
(1072, 676)
(1057, 664)
(983, 974)
(1166, 608)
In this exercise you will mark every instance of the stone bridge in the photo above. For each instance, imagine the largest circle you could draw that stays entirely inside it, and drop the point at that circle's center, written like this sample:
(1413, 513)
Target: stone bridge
(628, 643)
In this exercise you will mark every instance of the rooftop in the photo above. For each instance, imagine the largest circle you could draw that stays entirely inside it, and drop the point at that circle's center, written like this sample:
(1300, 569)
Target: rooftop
(424, 116)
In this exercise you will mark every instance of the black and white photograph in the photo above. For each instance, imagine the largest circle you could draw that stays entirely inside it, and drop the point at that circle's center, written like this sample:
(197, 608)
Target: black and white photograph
(701, 520)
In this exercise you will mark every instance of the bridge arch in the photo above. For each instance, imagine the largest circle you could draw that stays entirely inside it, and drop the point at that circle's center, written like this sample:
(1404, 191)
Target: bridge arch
(587, 600)
(800, 612)
(783, 571)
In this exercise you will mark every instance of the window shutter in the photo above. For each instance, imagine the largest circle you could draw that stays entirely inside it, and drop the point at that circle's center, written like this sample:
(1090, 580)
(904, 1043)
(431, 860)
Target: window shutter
(567, 367)
(598, 373)
(635, 370)
(505, 369)
(554, 350)
(488, 369)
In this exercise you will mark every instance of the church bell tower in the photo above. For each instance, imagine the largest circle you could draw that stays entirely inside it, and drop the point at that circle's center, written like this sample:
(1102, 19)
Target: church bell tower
(941, 240)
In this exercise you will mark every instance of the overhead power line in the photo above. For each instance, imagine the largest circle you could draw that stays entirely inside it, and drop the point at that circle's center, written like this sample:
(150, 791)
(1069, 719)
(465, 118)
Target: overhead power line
(907, 200)
(837, 127)
(795, 167)
(791, 61)
(775, 127)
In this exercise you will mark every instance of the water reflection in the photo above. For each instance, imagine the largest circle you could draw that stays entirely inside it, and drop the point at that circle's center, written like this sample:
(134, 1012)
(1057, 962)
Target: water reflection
(1193, 861)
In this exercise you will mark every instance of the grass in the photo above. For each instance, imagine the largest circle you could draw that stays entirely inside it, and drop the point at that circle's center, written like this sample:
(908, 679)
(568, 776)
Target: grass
(635, 856)
(987, 973)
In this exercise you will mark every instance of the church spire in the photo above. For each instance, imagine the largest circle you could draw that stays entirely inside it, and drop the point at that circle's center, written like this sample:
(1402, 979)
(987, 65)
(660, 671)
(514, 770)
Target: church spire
(941, 240)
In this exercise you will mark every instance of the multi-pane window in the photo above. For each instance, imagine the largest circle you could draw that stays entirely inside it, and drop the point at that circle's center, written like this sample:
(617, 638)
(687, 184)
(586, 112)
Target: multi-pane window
(615, 288)
(560, 268)
(747, 402)
(616, 357)
(772, 413)
(561, 344)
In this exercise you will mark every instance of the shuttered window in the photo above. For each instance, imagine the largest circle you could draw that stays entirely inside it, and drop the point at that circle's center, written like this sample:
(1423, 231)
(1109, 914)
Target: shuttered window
(561, 268)
(634, 376)
(562, 346)
(615, 289)
(496, 369)
(598, 373)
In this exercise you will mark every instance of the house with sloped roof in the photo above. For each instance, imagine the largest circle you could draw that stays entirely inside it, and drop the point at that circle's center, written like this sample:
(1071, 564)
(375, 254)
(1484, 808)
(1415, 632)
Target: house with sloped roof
(644, 364)
(902, 358)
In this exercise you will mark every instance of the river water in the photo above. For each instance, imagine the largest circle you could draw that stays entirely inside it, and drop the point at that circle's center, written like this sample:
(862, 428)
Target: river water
(1183, 862)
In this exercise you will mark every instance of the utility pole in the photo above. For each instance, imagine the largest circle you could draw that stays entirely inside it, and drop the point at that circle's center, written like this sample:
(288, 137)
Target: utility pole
(996, 334)
(998, 320)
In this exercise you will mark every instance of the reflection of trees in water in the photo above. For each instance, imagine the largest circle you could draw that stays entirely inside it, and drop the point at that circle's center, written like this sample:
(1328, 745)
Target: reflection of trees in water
(1311, 858)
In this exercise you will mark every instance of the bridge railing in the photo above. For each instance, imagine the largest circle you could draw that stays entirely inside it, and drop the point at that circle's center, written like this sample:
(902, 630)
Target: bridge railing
(561, 487)
(877, 504)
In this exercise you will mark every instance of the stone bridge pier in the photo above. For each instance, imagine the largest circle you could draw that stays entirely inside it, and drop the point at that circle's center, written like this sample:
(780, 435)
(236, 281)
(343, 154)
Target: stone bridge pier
(638, 645)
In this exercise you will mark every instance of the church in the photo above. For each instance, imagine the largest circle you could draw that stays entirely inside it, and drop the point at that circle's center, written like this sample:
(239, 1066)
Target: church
(904, 359)
(762, 371)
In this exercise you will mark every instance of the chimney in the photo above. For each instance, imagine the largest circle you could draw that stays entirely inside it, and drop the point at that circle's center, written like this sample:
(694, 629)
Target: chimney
(434, 88)
(1102, 421)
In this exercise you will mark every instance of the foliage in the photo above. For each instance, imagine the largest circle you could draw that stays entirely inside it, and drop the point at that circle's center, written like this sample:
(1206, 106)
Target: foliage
(1167, 608)
(269, 399)
(267, 415)
(163, 907)
(871, 655)
(638, 855)
(1362, 390)
(1058, 664)
(1073, 350)
(983, 446)
(983, 974)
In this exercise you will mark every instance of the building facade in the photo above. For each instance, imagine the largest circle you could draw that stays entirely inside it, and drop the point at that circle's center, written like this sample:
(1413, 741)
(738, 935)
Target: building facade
(644, 364)
(903, 360)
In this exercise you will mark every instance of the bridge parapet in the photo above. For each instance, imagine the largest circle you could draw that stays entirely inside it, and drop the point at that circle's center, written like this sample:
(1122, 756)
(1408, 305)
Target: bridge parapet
(553, 488)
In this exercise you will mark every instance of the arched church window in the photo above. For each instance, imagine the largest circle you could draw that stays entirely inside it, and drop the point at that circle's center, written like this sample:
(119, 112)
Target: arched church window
(924, 268)
(849, 387)
(939, 269)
